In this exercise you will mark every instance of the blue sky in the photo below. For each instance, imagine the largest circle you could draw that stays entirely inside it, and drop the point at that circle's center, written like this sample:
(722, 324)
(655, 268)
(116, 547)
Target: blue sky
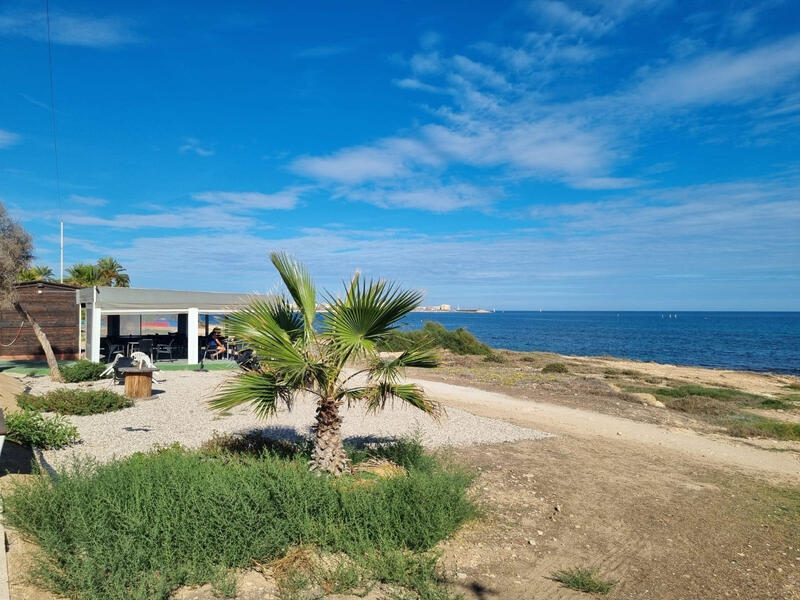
(614, 155)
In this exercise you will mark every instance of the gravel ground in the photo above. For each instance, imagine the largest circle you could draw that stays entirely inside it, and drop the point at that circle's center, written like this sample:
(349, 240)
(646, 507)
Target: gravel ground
(178, 412)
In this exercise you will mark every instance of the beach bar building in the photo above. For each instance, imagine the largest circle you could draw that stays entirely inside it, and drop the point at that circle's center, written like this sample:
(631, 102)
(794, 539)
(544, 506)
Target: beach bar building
(107, 307)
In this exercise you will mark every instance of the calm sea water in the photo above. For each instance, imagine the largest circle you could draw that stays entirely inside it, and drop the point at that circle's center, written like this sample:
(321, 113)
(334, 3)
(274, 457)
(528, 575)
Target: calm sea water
(757, 341)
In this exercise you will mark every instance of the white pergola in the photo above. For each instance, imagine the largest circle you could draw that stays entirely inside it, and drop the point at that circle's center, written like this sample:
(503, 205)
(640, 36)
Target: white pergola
(102, 301)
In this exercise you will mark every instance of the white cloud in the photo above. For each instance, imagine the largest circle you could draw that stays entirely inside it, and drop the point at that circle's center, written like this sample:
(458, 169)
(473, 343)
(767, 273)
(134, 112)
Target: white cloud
(285, 199)
(433, 198)
(7, 138)
(194, 146)
(723, 77)
(68, 29)
(87, 200)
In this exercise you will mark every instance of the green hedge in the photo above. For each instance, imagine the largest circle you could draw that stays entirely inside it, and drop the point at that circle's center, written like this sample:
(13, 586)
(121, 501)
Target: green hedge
(34, 429)
(82, 370)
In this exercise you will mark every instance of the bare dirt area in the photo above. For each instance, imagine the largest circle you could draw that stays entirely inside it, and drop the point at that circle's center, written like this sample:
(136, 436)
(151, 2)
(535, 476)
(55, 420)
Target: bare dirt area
(664, 528)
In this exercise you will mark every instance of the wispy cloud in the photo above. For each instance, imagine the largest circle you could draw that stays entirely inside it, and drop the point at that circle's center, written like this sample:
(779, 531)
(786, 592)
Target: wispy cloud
(194, 146)
(285, 199)
(69, 28)
(725, 77)
(87, 200)
(8, 138)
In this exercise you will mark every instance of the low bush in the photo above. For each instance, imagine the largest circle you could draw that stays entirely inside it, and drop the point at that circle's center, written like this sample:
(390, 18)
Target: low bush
(82, 370)
(748, 425)
(143, 526)
(458, 341)
(34, 429)
(75, 402)
(555, 368)
(494, 357)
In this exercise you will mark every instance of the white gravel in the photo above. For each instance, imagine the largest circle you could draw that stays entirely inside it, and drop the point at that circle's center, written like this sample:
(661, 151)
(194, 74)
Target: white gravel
(179, 413)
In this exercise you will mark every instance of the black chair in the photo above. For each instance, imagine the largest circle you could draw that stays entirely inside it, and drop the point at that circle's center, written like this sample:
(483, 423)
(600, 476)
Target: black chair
(146, 346)
(165, 349)
(122, 361)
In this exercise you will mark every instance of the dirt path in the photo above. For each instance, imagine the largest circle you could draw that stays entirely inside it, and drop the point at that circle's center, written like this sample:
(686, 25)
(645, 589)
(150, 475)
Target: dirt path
(553, 418)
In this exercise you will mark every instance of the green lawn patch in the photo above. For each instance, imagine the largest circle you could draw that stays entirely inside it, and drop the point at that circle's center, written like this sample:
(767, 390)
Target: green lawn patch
(141, 527)
(583, 579)
(74, 402)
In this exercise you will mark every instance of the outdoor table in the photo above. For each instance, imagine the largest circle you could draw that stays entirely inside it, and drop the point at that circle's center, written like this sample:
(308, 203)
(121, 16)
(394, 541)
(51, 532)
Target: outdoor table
(131, 346)
(138, 381)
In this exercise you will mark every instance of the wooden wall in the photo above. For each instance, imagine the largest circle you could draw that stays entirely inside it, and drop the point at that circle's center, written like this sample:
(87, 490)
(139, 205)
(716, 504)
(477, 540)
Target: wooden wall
(56, 312)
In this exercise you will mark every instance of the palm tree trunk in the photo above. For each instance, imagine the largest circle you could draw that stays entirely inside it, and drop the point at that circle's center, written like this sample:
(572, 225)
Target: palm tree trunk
(55, 372)
(328, 454)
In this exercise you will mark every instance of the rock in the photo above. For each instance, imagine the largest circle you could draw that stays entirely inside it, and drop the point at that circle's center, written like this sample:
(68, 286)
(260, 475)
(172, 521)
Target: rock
(461, 575)
(648, 399)
(532, 542)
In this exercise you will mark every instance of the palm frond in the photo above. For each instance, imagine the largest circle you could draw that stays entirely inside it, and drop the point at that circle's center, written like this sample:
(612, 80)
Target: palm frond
(260, 390)
(265, 327)
(301, 287)
(375, 396)
(368, 311)
(391, 369)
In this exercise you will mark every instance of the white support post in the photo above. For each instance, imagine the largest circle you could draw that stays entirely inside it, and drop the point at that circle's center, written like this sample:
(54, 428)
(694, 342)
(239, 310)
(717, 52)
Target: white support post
(93, 316)
(192, 351)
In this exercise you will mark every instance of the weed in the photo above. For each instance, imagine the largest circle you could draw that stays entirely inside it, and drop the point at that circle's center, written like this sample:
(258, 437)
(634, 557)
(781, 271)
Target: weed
(74, 402)
(795, 385)
(143, 526)
(82, 370)
(555, 368)
(776, 404)
(35, 429)
(583, 579)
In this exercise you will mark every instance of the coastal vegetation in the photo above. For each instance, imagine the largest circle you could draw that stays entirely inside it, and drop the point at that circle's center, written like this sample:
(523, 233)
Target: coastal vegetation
(555, 368)
(74, 402)
(190, 517)
(106, 271)
(31, 428)
(458, 341)
(82, 370)
(296, 357)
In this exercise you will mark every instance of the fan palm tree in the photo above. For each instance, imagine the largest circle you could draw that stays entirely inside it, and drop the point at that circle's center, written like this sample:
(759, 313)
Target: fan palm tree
(37, 273)
(112, 272)
(296, 358)
(83, 274)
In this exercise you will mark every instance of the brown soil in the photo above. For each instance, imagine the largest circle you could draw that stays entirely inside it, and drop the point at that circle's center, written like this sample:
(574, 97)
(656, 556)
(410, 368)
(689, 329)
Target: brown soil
(10, 387)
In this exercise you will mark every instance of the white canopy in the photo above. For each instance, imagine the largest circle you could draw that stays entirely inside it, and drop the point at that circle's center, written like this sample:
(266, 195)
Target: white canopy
(103, 300)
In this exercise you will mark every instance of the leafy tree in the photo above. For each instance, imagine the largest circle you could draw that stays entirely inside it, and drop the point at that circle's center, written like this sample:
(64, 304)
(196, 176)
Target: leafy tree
(295, 358)
(37, 273)
(16, 252)
(83, 274)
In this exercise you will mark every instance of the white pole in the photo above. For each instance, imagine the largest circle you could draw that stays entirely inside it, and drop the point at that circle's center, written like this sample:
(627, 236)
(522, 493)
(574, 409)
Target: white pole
(61, 271)
(192, 349)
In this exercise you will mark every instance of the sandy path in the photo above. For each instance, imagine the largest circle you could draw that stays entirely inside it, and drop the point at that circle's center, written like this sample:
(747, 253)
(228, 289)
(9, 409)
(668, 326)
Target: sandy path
(718, 451)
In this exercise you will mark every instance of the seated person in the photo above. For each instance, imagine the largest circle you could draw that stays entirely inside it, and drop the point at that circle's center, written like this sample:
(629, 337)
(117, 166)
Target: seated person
(217, 343)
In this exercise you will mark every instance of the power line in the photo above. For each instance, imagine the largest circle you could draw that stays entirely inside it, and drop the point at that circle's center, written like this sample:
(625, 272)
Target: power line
(55, 140)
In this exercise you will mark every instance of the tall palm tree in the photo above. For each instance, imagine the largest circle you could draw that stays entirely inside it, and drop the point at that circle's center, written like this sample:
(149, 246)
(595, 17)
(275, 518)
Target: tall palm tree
(84, 275)
(112, 272)
(37, 273)
(296, 358)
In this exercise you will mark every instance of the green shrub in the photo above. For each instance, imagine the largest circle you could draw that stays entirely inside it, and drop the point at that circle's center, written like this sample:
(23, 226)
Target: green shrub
(47, 432)
(494, 357)
(143, 526)
(555, 368)
(82, 370)
(458, 341)
(75, 402)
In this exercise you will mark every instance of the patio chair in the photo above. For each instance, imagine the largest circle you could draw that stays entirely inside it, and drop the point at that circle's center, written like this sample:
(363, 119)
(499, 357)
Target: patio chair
(120, 362)
(146, 347)
(165, 349)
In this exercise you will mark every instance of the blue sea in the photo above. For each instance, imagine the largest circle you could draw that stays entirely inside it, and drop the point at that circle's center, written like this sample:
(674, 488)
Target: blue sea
(755, 341)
